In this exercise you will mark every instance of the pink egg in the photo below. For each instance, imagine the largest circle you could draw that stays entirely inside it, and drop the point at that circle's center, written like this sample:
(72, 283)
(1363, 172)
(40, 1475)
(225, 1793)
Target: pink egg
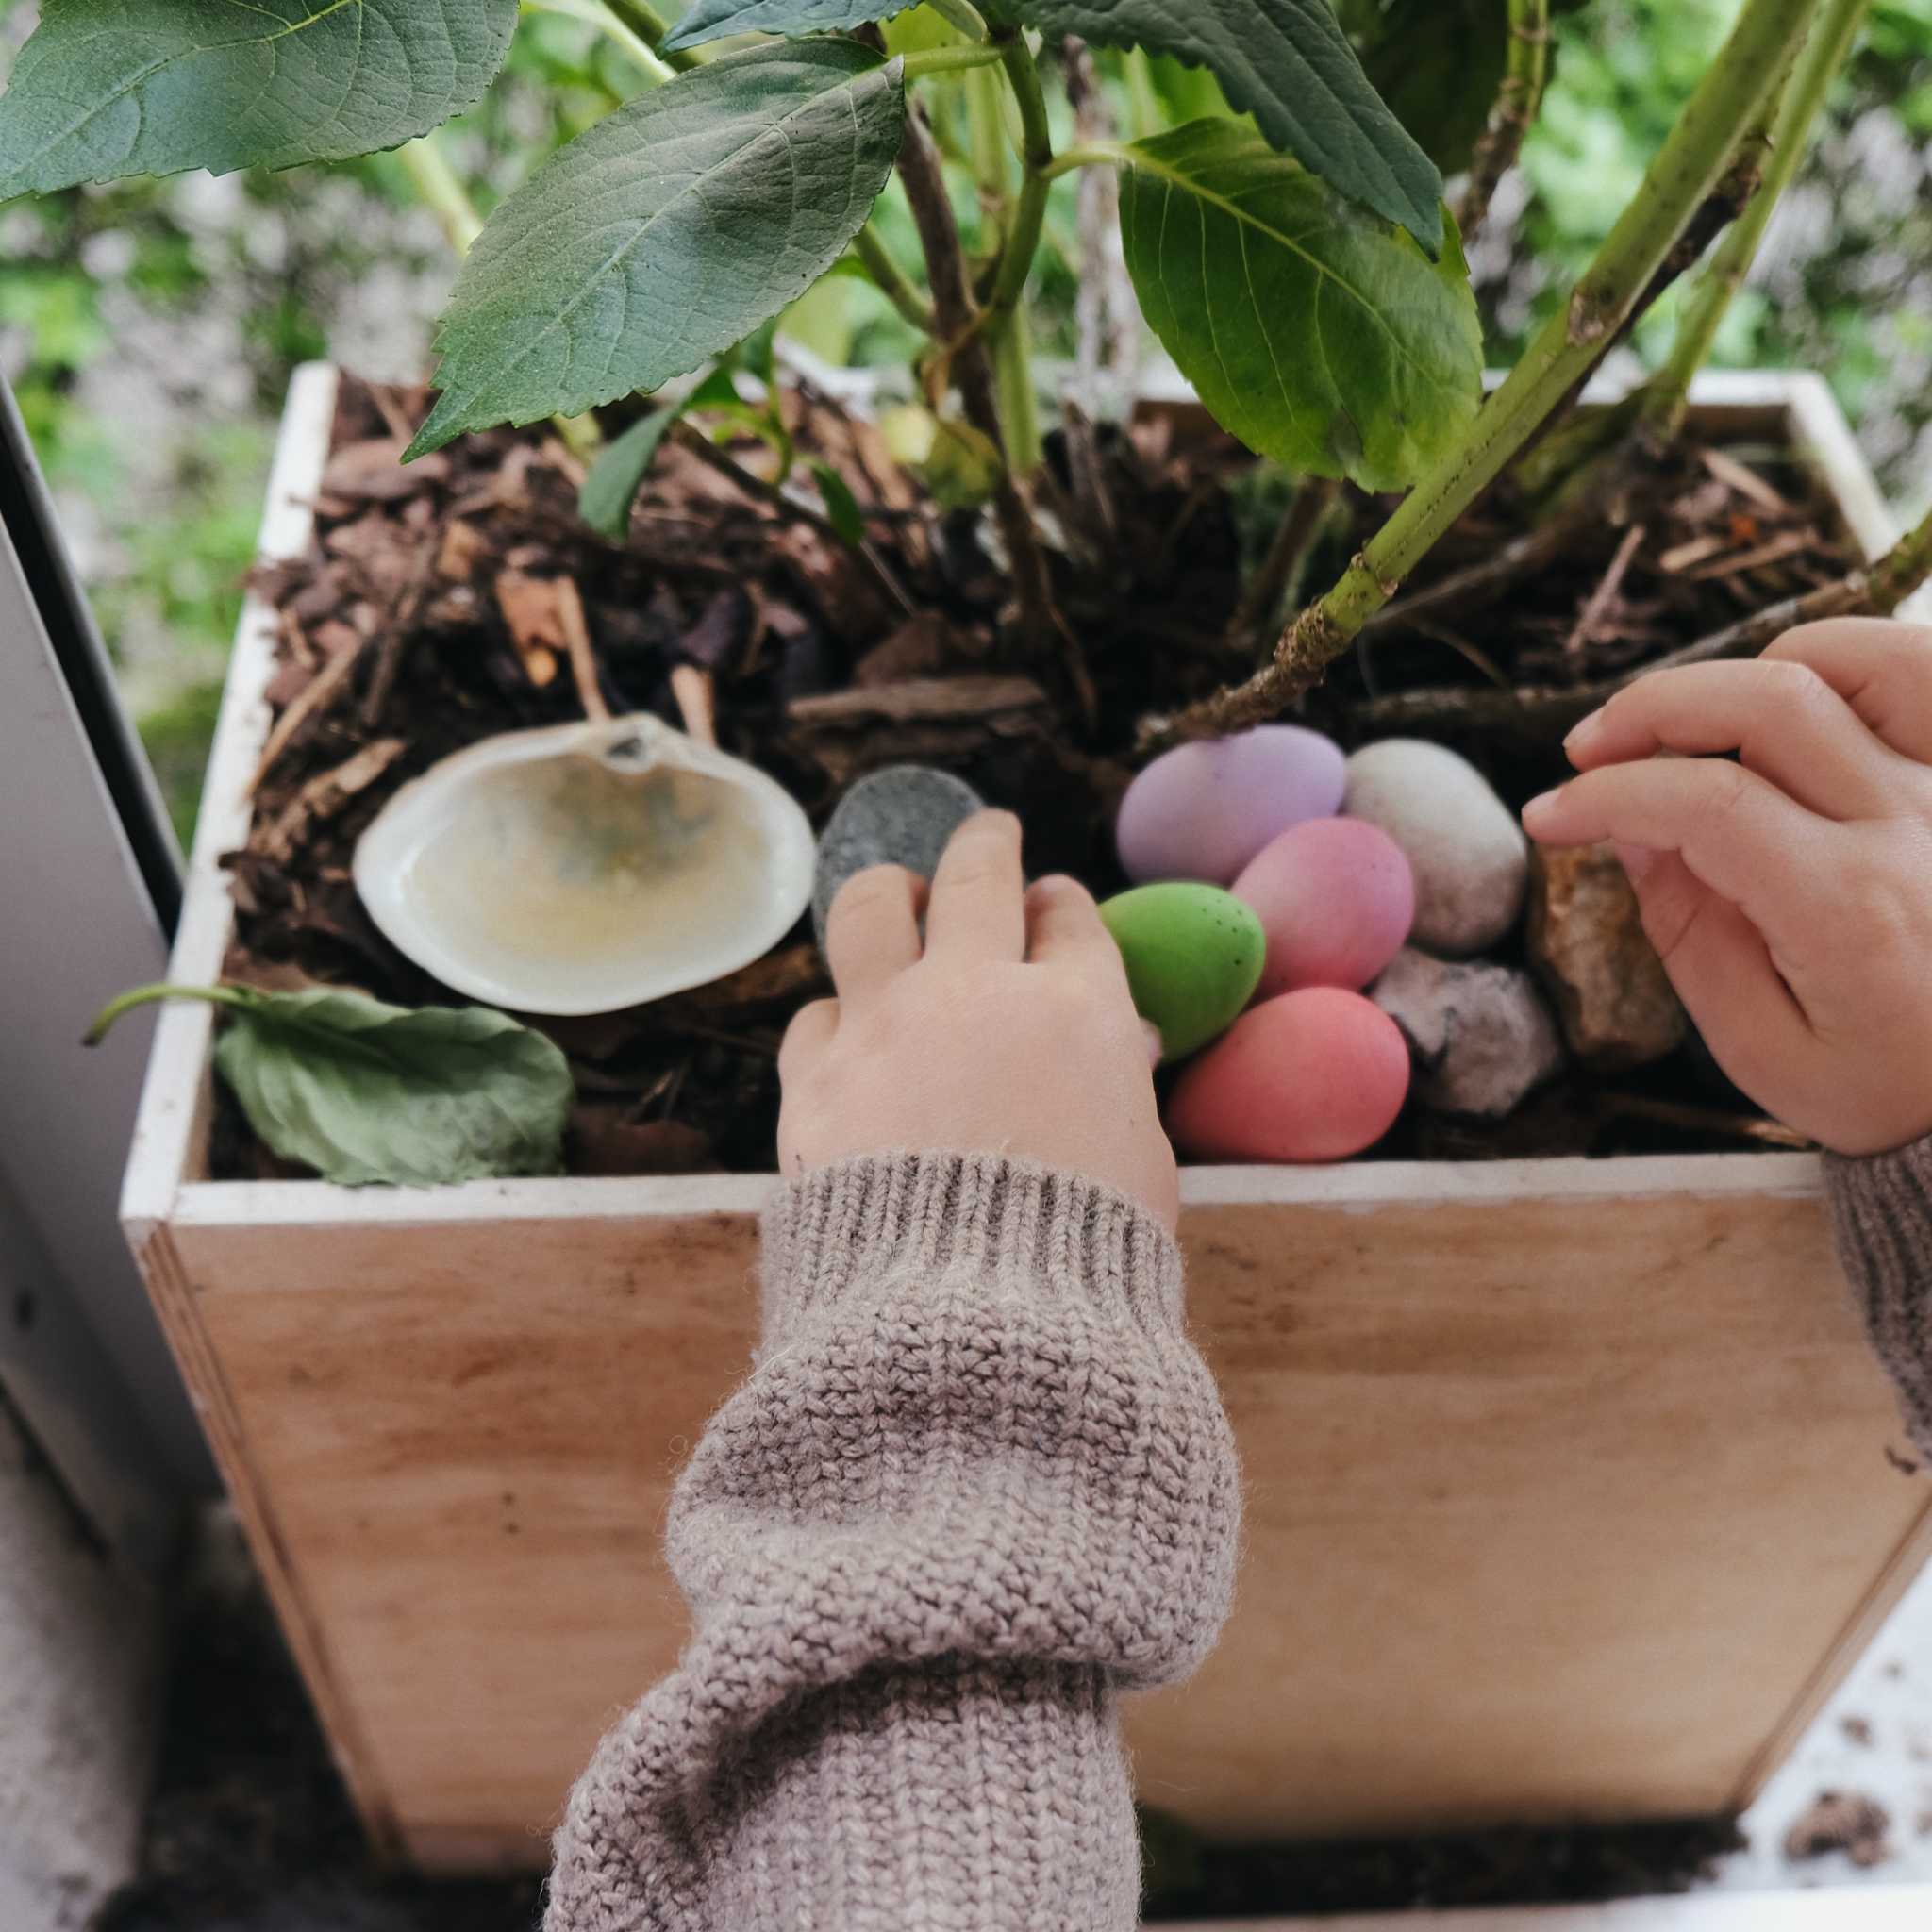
(1201, 810)
(1316, 1075)
(1336, 899)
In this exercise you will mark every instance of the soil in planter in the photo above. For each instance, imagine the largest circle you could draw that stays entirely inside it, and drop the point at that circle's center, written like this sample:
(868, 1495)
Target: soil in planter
(429, 613)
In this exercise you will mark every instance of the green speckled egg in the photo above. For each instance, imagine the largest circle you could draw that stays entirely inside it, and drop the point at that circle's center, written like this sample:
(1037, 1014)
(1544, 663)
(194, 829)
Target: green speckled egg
(1194, 956)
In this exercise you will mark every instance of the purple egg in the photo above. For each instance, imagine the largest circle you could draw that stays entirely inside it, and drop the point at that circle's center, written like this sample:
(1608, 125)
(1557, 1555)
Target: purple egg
(1201, 810)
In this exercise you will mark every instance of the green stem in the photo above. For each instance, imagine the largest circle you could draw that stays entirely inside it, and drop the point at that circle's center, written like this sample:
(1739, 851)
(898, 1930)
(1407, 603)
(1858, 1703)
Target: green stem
(1667, 397)
(930, 60)
(1089, 153)
(961, 16)
(891, 280)
(651, 27)
(1035, 152)
(598, 13)
(1524, 74)
(148, 996)
(1693, 156)
(439, 190)
(1901, 571)
(1019, 397)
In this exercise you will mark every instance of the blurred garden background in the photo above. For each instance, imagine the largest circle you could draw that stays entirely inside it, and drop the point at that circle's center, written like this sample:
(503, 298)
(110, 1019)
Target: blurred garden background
(149, 328)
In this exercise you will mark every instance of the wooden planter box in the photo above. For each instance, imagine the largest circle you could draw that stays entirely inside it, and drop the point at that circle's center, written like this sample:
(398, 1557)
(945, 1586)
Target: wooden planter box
(1568, 1488)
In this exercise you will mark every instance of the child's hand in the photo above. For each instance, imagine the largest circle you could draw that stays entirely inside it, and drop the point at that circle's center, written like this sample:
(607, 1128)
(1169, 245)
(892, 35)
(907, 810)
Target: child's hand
(1790, 895)
(1010, 1031)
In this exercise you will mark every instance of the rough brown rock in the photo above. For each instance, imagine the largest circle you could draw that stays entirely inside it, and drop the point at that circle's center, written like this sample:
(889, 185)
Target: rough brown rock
(1587, 941)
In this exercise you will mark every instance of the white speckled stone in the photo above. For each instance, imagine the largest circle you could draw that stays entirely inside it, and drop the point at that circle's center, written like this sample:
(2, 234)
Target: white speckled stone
(1480, 1035)
(1469, 856)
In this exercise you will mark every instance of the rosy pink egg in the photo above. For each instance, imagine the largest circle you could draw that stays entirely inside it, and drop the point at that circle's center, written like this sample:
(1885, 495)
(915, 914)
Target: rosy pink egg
(1336, 898)
(1316, 1075)
(1201, 810)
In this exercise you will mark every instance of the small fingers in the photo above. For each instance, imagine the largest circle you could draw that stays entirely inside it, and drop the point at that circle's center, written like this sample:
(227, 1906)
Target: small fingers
(1063, 928)
(977, 911)
(1783, 719)
(871, 933)
(1881, 668)
(1737, 833)
(808, 1035)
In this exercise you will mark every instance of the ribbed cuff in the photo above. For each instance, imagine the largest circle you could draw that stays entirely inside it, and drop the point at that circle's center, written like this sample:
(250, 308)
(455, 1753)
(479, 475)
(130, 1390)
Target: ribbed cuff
(1882, 1217)
(923, 1217)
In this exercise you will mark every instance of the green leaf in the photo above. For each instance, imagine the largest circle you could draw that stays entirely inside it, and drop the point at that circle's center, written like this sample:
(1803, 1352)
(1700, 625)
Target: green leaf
(1323, 338)
(840, 504)
(366, 1093)
(1437, 63)
(619, 473)
(1289, 64)
(107, 88)
(712, 20)
(667, 233)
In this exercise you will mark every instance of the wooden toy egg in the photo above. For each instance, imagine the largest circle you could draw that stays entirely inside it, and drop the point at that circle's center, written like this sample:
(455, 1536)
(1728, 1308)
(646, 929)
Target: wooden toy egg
(1193, 956)
(1336, 898)
(1316, 1075)
(1201, 811)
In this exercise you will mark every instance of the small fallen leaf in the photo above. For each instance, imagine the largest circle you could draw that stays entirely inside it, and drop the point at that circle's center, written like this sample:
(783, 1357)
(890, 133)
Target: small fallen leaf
(369, 1093)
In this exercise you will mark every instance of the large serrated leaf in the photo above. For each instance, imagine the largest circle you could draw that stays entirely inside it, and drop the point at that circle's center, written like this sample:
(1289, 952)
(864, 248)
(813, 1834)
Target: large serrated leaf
(107, 88)
(667, 233)
(1321, 337)
(1289, 64)
(712, 20)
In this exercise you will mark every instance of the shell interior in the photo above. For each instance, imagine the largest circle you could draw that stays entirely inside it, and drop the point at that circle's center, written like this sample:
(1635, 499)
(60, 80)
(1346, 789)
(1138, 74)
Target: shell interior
(586, 868)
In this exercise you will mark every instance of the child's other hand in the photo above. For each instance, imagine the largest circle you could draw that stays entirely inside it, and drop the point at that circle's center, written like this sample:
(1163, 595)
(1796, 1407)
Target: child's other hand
(1010, 1030)
(1790, 894)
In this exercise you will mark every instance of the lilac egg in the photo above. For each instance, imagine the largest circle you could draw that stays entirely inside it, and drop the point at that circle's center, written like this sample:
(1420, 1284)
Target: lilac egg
(1203, 810)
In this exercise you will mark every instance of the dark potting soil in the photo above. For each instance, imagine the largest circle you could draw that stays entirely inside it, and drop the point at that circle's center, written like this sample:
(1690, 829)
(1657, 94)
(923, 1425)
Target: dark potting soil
(432, 610)
(250, 1829)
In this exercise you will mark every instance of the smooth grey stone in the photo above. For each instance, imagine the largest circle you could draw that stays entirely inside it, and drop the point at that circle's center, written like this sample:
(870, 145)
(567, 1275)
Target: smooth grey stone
(901, 816)
(1480, 1035)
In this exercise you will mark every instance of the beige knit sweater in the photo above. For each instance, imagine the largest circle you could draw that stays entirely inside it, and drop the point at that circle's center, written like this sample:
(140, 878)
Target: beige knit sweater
(979, 1485)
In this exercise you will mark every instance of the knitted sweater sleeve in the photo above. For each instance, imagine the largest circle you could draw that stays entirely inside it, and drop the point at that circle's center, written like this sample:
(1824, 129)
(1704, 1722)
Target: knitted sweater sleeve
(978, 1484)
(1882, 1214)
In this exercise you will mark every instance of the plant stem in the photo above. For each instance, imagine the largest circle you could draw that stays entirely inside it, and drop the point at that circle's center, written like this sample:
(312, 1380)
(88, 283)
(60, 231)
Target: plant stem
(929, 60)
(598, 13)
(1089, 153)
(1009, 334)
(651, 27)
(1021, 244)
(891, 280)
(923, 178)
(961, 16)
(1273, 581)
(1526, 71)
(1694, 155)
(440, 192)
(1019, 397)
(147, 995)
(1668, 395)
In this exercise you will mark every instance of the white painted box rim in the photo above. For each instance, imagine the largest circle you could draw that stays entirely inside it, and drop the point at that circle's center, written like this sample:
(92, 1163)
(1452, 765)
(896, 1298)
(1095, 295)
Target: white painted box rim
(165, 1179)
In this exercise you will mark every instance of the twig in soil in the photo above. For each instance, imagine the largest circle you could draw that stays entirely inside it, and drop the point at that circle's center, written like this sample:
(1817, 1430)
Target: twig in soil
(1675, 1113)
(583, 655)
(754, 487)
(315, 701)
(1041, 625)
(1539, 715)
(697, 695)
(400, 625)
(1600, 600)
(1254, 622)
(324, 796)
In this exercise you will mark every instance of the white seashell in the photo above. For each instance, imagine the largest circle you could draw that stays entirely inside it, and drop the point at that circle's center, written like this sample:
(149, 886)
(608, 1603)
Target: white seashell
(586, 868)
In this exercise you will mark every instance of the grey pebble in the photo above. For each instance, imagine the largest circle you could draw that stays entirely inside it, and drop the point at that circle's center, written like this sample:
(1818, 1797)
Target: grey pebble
(1480, 1035)
(903, 815)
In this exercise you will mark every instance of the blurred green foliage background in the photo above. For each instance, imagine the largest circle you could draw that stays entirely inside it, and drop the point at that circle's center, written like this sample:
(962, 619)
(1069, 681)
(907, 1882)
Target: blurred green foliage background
(148, 329)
